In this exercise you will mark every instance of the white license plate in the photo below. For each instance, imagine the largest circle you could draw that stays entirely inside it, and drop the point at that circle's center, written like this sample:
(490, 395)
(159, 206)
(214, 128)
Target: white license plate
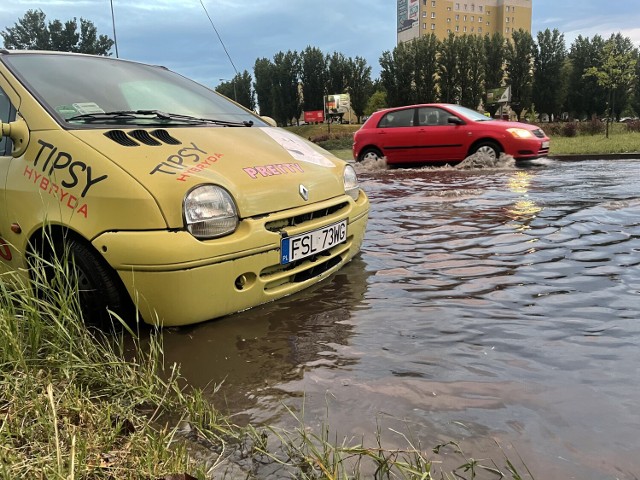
(545, 144)
(309, 243)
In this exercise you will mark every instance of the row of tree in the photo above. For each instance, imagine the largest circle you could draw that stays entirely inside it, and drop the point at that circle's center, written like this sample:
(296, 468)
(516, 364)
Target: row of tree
(593, 77)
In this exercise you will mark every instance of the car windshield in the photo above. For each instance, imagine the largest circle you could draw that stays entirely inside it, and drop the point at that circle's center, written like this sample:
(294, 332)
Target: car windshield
(82, 90)
(468, 113)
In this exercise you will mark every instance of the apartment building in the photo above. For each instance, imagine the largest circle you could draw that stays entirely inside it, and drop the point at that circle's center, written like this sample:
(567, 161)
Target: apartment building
(478, 17)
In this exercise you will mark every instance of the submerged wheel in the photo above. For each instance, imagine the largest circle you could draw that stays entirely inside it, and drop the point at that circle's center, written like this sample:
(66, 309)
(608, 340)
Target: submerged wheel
(371, 154)
(99, 288)
(490, 149)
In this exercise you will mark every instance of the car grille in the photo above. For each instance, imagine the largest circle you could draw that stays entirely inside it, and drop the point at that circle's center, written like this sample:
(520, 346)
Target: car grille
(279, 277)
(538, 133)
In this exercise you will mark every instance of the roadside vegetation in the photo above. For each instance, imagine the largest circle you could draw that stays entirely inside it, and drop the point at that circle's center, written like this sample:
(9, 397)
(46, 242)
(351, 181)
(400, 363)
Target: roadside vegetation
(78, 403)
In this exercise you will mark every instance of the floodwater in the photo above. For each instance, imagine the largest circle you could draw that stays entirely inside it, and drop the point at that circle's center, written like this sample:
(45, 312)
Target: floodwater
(498, 308)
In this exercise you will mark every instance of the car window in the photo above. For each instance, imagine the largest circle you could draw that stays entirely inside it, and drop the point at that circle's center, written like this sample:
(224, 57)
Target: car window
(7, 114)
(432, 116)
(397, 118)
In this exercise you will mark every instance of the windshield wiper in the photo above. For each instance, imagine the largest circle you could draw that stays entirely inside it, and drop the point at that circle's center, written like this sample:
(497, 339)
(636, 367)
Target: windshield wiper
(157, 114)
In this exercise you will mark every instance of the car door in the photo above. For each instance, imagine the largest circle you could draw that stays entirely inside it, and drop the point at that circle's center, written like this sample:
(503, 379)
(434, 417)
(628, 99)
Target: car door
(7, 252)
(440, 140)
(396, 135)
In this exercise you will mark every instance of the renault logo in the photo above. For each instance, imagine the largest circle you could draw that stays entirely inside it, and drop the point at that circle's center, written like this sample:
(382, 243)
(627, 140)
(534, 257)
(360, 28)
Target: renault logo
(304, 192)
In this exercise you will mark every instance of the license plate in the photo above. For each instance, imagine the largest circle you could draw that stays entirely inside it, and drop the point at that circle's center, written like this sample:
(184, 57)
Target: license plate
(309, 243)
(545, 144)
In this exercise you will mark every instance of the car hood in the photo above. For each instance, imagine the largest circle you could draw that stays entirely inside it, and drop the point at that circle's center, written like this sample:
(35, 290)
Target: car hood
(505, 124)
(262, 168)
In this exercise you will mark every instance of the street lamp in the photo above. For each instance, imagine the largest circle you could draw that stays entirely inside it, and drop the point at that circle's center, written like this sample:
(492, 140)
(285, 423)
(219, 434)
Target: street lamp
(233, 82)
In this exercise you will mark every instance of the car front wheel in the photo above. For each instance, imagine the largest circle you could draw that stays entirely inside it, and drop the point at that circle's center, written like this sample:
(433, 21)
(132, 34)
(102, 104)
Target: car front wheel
(370, 154)
(489, 149)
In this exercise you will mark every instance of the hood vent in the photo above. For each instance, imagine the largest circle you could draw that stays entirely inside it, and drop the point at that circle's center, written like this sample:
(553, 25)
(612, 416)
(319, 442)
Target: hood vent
(136, 137)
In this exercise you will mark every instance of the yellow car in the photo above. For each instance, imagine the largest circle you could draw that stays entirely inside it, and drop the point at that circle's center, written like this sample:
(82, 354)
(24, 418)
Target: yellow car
(169, 197)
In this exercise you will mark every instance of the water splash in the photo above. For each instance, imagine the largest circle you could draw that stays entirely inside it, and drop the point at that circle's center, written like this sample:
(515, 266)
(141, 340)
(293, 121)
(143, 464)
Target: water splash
(483, 161)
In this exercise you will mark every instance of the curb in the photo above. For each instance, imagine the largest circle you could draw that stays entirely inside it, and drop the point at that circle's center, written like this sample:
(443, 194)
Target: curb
(595, 156)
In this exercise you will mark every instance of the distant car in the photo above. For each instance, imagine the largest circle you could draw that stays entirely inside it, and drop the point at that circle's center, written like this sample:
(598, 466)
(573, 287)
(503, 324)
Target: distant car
(444, 132)
(162, 194)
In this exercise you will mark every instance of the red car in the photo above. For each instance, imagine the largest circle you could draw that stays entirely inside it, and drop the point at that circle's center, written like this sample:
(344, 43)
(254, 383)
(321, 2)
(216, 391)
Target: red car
(444, 133)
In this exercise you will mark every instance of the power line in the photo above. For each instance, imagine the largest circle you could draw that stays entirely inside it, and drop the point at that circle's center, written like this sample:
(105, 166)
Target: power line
(219, 38)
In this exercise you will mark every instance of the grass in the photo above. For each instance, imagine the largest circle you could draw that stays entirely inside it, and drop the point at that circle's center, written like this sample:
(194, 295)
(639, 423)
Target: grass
(620, 140)
(78, 403)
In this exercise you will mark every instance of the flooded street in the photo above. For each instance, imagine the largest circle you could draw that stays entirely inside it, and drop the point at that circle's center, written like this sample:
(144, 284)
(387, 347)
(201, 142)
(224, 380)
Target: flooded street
(486, 306)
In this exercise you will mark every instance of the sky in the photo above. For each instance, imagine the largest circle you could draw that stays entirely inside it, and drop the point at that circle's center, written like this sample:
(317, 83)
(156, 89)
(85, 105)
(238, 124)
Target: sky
(179, 35)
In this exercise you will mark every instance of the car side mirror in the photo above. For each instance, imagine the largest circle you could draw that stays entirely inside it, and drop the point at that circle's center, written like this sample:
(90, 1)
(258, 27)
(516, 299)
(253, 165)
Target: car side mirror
(270, 121)
(18, 132)
(454, 120)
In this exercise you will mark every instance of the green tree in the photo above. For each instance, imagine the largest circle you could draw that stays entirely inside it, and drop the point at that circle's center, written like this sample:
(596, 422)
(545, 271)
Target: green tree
(396, 75)
(31, 32)
(377, 101)
(617, 72)
(548, 81)
(337, 71)
(448, 70)
(359, 84)
(425, 52)
(263, 72)
(471, 60)
(585, 96)
(314, 78)
(239, 89)
(494, 51)
(287, 104)
(519, 66)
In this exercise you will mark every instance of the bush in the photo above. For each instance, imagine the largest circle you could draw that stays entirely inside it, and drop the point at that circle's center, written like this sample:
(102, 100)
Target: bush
(592, 127)
(633, 126)
(569, 129)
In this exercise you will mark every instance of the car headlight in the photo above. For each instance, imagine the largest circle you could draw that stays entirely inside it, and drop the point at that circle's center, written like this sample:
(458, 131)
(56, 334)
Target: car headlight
(520, 132)
(209, 212)
(351, 186)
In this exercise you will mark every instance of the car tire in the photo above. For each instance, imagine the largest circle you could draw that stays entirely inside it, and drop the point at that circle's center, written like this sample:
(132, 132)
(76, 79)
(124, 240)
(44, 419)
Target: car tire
(100, 290)
(487, 148)
(371, 154)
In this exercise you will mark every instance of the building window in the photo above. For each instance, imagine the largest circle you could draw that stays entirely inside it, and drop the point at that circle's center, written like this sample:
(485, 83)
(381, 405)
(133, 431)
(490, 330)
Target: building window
(472, 18)
(424, 26)
(464, 29)
(457, 6)
(507, 8)
(457, 28)
(457, 17)
(433, 14)
(448, 31)
(433, 26)
(480, 8)
(424, 14)
(449, 20)
(448, 9)
(433, 3)
(464, 18)
(506, 19)
(479, 19)
(507, 29)
(479, 29)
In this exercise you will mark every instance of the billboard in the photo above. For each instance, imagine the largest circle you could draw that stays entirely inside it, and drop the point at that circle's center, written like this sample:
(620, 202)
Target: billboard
(408, 19)
(338, 106)
(314, 116)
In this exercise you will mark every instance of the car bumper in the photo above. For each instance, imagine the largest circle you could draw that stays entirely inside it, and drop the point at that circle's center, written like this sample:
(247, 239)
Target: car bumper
(531, 149)
(175, 279)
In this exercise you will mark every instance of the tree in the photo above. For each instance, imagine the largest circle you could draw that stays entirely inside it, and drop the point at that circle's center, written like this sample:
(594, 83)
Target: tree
(585, 96)
(617, 73)
(377, 101)
(549, 58)
(471, 61)
(263, 71)
(396, 75)
(337, 70)
(425, 52)
(449, 72)
(239, 89)
(32, 33)
(494, 51)
(314, 78)
(286, 95)
(519, 64)
(359, 84)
